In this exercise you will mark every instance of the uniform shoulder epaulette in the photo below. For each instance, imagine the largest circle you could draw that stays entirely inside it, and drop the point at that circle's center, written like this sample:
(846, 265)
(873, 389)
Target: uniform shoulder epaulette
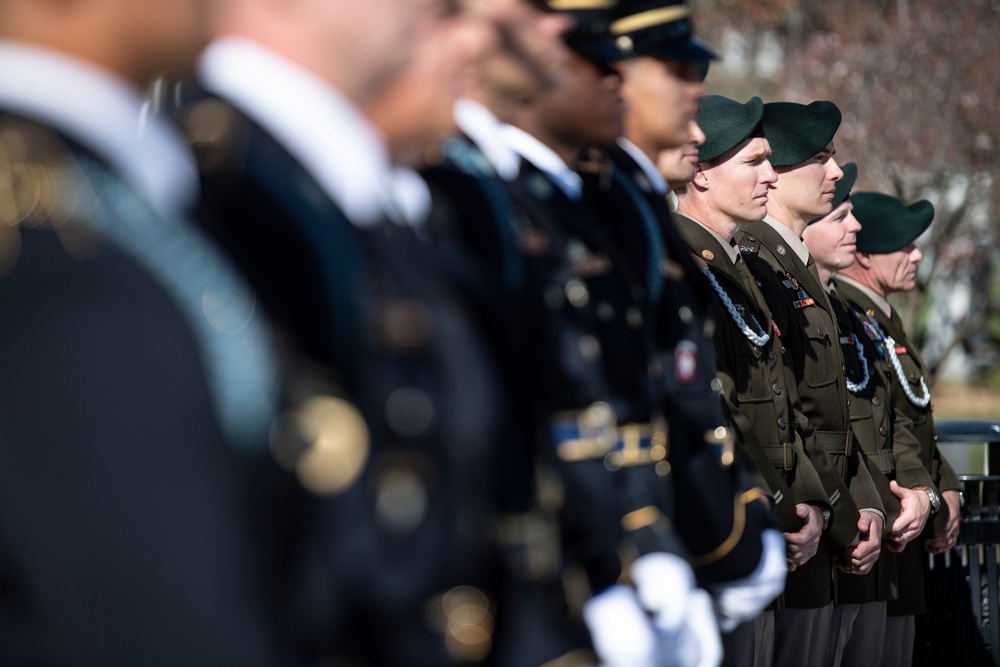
(38, 175)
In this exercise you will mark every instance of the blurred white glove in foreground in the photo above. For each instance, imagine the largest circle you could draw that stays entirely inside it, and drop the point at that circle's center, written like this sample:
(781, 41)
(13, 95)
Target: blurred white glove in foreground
(620, 629)
(683, 614)
(740, 601)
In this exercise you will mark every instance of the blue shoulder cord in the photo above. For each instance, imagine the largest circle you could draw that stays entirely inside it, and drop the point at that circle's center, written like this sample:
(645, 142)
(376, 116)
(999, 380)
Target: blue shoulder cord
(216, 301)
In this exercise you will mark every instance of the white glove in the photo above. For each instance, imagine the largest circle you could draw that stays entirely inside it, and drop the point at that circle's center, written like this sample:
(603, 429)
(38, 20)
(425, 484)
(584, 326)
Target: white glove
(620, 629)
(683, 614)
(700, 644)
(739, 601)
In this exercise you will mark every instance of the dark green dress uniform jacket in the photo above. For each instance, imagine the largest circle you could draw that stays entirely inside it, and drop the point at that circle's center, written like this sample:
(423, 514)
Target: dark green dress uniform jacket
(877, 427)
(754, 384)
(926, 468)
(806, 325)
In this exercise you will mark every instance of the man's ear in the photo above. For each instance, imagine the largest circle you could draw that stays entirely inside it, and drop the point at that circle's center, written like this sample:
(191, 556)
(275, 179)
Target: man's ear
(864, 260)
(701, 178)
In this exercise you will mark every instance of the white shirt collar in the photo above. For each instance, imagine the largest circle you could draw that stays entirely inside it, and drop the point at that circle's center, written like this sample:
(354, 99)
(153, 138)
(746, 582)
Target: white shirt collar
(648, 168)
(794, 242)
(878, 299)
(484, 128)
(322, 129)
(103, 112)
(546, 159)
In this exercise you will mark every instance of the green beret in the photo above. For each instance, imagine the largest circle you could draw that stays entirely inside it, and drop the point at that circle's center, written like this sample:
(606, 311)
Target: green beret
(798, 132)
(727, 124)
(887, 224)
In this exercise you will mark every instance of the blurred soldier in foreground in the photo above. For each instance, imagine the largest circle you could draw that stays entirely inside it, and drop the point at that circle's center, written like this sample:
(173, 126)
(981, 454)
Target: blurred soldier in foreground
(663, 73)
(729, 191)
(399, 417)
(138, 382)
(478, 181)
(470, 222)
(887, 263)
(801, 139)
(604, 363)
(882, 433)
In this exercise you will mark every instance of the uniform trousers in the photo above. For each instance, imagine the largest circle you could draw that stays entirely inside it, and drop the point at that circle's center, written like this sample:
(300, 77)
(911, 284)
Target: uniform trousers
(802, 637)
(858, 634)
(900, 632)
(751, 644)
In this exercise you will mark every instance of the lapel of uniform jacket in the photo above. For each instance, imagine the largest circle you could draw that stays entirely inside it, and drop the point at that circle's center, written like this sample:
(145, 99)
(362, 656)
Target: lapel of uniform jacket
(707, 248)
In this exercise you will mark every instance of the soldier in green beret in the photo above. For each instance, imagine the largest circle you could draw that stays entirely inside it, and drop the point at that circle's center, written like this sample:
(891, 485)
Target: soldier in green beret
(883, 433)
(730, 190)
(801, 138)
(887, 261)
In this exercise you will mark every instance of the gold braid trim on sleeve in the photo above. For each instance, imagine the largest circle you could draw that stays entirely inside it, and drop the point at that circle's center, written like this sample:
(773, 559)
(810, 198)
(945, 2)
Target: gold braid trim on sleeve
(739, 524)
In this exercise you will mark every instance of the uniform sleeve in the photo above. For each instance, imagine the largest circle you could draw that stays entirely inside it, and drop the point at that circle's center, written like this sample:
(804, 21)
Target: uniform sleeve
(947, 479)
(910, 469)
(867, 488)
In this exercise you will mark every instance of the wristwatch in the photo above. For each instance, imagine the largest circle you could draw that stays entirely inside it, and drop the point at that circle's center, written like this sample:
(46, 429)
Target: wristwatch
(827, 513)
(932, 494)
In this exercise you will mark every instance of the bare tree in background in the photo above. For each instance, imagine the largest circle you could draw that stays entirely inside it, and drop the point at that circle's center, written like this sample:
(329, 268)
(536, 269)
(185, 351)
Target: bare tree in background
(919, 84)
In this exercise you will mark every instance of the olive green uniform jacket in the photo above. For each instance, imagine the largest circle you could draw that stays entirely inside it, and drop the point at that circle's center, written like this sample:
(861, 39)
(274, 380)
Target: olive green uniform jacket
(765, 409)
(805, 321)
(924, 466)
(807, 327)
(878, 428)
